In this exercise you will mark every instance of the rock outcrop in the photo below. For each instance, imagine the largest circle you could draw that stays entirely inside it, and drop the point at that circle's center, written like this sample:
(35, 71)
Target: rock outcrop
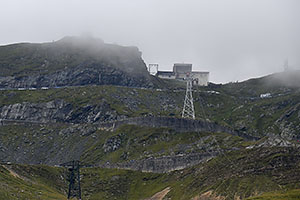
(165, 164)
(57, 111)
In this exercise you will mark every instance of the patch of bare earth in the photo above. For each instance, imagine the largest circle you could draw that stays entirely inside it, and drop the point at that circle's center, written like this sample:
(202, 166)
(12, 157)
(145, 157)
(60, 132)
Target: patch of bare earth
(160, 195)
(208, 196)
(14, 174)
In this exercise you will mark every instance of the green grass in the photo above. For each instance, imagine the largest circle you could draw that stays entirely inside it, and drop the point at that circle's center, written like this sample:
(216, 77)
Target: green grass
(236, 174)
(281, 195)
(22, 188)
(141, 142)
(241, 174)
(121, 184)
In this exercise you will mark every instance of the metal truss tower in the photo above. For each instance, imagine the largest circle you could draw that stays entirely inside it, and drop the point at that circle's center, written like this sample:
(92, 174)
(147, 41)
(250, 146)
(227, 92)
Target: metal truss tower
(188, 107)
(74, 179)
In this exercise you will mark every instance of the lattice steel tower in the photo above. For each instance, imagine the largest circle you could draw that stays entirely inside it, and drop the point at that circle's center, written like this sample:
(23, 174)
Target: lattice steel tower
(188, 107)
(74, 190)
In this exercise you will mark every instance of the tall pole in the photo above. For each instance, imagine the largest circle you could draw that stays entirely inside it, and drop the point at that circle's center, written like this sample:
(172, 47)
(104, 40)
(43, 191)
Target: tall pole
(78, 179)
(188, 107)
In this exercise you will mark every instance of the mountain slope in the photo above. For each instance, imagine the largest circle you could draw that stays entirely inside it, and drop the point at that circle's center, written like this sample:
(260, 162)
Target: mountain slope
(235, 105)
(71, 61)
(243, 143)
(264, 173)
(39, 182)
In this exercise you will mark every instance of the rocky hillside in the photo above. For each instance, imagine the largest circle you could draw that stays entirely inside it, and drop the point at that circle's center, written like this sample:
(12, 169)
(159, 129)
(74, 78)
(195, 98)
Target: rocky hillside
(244, 142)
(89, 123)
(71, 61)
(130, 146)
(236, 105)
(267, 105)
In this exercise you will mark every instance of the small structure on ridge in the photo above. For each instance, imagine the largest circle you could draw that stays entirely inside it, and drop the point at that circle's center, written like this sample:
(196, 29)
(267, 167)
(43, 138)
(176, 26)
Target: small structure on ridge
(180, 71)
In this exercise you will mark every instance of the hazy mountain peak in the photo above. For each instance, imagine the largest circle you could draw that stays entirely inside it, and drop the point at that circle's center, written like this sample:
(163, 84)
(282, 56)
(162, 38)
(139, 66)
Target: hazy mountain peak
(83, 40)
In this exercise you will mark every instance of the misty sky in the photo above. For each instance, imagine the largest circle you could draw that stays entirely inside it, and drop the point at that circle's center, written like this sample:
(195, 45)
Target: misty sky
(233, 39)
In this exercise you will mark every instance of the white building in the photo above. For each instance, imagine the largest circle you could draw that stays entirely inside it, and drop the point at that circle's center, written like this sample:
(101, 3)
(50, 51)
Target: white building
(266, 95)
(181, 71)
(200, 78)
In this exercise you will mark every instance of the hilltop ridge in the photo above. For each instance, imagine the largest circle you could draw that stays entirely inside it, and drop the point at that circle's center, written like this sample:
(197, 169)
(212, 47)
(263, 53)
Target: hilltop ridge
(71, 61)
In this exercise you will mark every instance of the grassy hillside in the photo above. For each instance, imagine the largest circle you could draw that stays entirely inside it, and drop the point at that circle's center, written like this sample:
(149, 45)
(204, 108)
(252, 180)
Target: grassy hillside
(31, 182)
(142, 142)
(259, 173)
(265, 172)
(27, 59)
(282, 195)
(233, 105)
(58, 143)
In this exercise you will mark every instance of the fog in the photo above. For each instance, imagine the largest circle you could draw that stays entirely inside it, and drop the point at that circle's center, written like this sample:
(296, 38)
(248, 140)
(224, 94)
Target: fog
(232, 39)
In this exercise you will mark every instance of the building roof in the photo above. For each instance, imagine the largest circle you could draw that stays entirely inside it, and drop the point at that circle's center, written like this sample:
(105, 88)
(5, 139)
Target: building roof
(182, 68)
(182, 64)
(165, 73)
(197, 72)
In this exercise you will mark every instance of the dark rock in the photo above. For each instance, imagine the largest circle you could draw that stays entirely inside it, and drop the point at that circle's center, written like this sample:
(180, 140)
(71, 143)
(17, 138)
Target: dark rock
(57, 111)
(112, 144)
(178, 124)
(164, 164)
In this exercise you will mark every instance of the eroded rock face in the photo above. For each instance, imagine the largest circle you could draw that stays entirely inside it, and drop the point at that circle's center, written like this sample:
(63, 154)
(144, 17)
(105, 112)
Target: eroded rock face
(57, 111)
(167, 163)
(290, 128)
(273, 140)
(92, 74)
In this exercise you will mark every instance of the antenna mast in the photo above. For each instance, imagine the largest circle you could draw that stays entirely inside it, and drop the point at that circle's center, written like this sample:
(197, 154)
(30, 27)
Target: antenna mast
(188, 107)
